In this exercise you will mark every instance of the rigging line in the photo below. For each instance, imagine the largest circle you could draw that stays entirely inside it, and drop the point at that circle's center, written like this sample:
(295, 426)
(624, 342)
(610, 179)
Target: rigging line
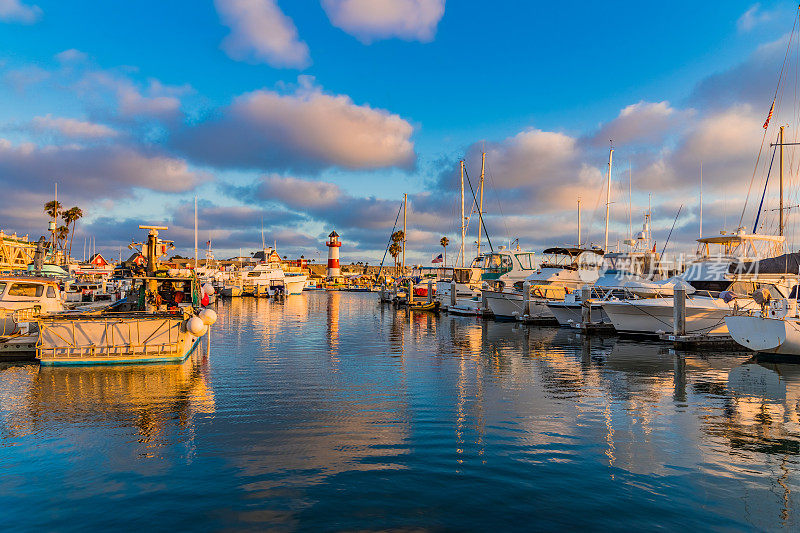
(764, 136)
(499, 207)
(480, 215)
(664, 249)
(766, 181)
(390, 239)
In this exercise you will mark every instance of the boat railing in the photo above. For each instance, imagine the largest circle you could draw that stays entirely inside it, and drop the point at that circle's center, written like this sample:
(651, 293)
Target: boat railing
(101, 336)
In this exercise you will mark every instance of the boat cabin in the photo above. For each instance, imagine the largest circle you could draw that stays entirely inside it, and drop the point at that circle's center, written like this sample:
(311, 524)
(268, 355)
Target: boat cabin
(506, 263)
(21, 292)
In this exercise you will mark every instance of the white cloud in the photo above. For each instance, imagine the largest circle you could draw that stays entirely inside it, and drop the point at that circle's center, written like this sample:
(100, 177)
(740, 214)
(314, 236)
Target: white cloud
(371, 20)
(638, 123)
(16, 11)
(261, 33)
(752, 18)
(308, 130)
(72, 128)
(71, 56)
(93, 172)
(133, 101)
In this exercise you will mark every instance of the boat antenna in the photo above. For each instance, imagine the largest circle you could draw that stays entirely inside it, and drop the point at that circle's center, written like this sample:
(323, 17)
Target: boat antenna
(608, 192)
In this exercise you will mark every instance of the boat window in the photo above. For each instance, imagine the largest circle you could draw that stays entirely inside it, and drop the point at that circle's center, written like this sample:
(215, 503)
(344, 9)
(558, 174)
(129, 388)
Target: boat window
(3, 287)
(793, 294)
(254, 274)
(713, 286)
(773, 290)
(525, 261)
(26, 289)
(51, 292)
(742, 287)
(462, 275)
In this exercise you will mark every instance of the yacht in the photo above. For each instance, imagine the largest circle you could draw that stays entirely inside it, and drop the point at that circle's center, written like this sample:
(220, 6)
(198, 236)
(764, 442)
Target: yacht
(266, 278)
(563, 270)
(718, 282)
(637, 271)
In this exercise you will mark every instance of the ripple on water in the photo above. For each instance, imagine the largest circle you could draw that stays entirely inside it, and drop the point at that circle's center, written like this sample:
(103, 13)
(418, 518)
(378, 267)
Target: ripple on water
(328, 411)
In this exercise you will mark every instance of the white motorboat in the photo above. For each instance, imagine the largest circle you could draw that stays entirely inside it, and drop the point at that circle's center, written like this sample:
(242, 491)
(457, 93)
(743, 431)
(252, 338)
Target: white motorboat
(22, 300)
(775, 328)
(267, 278)
(717, 284)
(563, 271)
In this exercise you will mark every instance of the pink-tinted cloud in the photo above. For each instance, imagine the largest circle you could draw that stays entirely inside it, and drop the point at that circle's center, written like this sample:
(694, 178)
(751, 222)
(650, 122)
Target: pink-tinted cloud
(307, 130)
(371, 20)
(16, 11)
(261, 33)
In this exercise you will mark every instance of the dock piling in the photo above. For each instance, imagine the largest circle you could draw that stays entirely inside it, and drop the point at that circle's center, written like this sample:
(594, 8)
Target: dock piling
(526, 298)
(453, 296)
(586, 305)
(679, 312)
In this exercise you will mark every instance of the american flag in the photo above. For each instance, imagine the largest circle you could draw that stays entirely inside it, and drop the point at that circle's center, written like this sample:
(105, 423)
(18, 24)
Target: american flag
(769, 115)
(437, 259)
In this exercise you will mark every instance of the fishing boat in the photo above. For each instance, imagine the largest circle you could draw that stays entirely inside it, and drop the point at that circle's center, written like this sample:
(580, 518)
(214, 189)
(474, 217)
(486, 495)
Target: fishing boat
(160, 321)
(22, 300)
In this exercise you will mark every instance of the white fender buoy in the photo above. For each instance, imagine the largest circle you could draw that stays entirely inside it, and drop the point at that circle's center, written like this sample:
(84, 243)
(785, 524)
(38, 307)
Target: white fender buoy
(196, 326)
(208, 316)
(173, 272)
(208, 289)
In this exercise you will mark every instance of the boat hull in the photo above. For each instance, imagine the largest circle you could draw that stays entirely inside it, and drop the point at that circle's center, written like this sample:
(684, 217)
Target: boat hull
(98, 340)
(766, 335)
(510, 306)
(571, 314)
(653, 316)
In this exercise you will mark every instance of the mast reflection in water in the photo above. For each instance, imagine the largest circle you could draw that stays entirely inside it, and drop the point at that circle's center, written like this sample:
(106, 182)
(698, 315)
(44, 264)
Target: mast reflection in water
(328, 411)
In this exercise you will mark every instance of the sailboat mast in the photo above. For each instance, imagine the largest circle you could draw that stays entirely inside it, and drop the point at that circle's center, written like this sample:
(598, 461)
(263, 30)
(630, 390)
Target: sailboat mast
(405, 207)
(480, 203)
(780, 207)
(463, 229)
(608, 196)
(195, 233)
(579, 221)
(701, 199)
(630, 200)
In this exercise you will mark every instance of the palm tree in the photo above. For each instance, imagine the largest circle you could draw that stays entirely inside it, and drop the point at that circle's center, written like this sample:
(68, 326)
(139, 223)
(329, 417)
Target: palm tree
(70, 217)
(394, 251)
(444, 242)
(62, 232)
(53, 208)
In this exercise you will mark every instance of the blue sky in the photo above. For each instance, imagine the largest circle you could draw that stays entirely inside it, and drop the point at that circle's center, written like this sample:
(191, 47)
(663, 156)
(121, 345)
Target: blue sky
(314, 114)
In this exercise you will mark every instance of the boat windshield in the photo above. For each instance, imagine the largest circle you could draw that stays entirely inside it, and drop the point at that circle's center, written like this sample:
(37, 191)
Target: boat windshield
(26, 289)
(2, 287)
(526, 261)
(498, 264)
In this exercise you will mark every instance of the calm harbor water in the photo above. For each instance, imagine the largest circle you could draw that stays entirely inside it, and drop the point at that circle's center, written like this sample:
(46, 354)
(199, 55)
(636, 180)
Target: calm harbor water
(330, 412)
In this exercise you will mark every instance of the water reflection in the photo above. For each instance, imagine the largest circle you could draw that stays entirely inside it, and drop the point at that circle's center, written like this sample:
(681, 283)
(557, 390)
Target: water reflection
(330, 411)
(153, 400)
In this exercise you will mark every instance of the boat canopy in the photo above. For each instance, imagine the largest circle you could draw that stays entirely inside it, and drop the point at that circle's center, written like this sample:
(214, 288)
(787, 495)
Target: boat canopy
(783, 264)
(741, 245)
(572, 252)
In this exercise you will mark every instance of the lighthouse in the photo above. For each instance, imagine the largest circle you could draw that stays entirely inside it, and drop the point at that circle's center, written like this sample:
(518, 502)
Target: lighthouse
(333, 245)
